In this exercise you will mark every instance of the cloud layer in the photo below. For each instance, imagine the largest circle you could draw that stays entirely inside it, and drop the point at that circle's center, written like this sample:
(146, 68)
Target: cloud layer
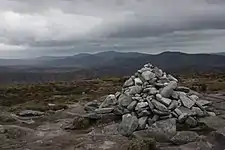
(31, 28)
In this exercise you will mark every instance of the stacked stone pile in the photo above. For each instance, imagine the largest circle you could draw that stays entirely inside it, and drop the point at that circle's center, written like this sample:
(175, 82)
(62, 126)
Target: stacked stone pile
(149, 96)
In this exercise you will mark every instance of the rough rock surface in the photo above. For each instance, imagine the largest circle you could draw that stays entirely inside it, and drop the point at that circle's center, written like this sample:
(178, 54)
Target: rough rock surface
(184, 137)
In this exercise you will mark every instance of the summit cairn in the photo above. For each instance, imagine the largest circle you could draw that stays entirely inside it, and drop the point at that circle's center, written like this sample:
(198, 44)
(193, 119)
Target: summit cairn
(151, 99)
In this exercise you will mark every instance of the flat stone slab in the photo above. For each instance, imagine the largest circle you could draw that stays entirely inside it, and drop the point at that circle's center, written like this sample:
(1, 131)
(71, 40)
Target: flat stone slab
(187, 102)
(104, 110)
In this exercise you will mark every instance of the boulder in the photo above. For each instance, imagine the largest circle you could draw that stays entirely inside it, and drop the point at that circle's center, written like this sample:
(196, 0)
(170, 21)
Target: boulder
(187, 102)
(135, 90)
(159, 106)
(148, 75)
(128, 125)
(129, 82)
(168, 90)
(184, 137)
(142, 122)
(109, 101)
(124, 100)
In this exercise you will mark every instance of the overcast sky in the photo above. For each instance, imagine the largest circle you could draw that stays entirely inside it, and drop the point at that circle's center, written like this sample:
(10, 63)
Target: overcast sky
(32, 28)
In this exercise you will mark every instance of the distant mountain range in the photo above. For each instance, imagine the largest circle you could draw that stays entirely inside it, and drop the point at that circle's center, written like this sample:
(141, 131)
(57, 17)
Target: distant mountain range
(110, 63)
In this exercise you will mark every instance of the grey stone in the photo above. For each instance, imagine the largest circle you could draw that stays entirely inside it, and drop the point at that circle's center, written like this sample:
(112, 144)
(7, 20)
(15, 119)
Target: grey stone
(211, 114)
(104, 110)
(173, 105)
(30, 113)
(198, 112)
(144, 113)
(148, 75)
(132, 105)
(158, 112)
(159, 85)
(151, 106)
(158, 97)
(178, 111)
(190, 121)
(141, 105)
(124, 100)
(198, 145)
(165, 117)
(135, 90)
(128, 83)
(184, 137)
(171, 78)
(174, 114)
(155, 118)
(159, 106)
(183, 89)
(187, 111)
(158, 72)
(118, 110)
(165, 101)
(137, 98)
(175, 95)
(182, 118)
(187, 102)
(150, 121)
(111, 129)
(117, 94)
(194, 97)
(128, 125)
(138, 81)
(204, 102)
(109, 101)
(142, 122)
(168, 90)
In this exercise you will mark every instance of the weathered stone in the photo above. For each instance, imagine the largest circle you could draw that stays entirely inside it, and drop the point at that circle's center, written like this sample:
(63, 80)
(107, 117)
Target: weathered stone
(187, 102)
(144, 113)
(165, 117)
(142, 122)
(186, 110)
(183, 89)
(198, 112)
(79, 123)
(171, 78)
(155, 118)
(165, 101)
(141, 105)
(30, 113)
(124, 100)
(168, 90)
(138, 81)
(104, 110)
(137, 98)
(158, 72)
(135, 90)
(198, 145)
(175, 95)
(109, 101)
(128, 125)
(194, 97)
(204, 102)
(211, 114)
(148, 75)
(118, 110)
(128, 83)
(161, 113)
(173, 105)
(151, 106)
(178, 111)
(132, 105)
(159, 106)
(184, 137)
(182, 117)
(150, 121)
(191, 122)
(117, 95)
(158, 97)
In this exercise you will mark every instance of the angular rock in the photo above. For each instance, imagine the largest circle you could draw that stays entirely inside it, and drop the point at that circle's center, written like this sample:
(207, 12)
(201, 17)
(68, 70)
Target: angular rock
(165, 101)
(187, 102)
(160, 113)
(198, 112)
(141, 105)
(178, 111)
(158, 72)
(171, 78)
(124, 100)
(168, 90)
(129, 82)
(151, 106)
(182, 117)
(132, 105)
(135, 90)
(109, 101)
(184, 137)
(142, 122)
(173, 105)
(138, 81)
(204, 102)
(104, 110)
(144, 113)
(148, 75)
(183, 89)
(128, 125)
(159, 106)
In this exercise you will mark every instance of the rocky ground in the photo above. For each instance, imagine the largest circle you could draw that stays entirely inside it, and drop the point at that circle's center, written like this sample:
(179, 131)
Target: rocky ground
(55, 125)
